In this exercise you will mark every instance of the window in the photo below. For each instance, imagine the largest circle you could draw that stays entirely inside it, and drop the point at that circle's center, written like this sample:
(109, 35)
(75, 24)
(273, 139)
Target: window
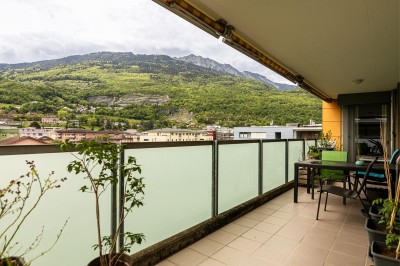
(244, 135)
(278, 135)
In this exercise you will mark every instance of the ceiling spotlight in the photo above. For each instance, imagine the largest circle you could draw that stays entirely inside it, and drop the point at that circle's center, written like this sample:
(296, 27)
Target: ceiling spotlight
(357, 81)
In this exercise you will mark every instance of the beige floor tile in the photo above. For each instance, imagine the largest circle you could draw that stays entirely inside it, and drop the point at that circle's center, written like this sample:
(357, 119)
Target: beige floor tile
(222, 237)
(298, 226)
(329, 225)
(349, 249)
(339, 259)
(272, 255)
(229, 256)
(256, 216)
(306, 254)
(291, 233)
(166, 263)
(355, 239)
(272, 206)
(211, 262)
(235, 229)
(257, 235)
(349, 229)
(319, 240)
(303, 220)
(281, 201)
(206, 246)
(275, 220)
(284, 215)
(265, 210)
(255, 261)
(268, 228)
(281, 243)
(245, 245)
(187, 257)
(246, 222)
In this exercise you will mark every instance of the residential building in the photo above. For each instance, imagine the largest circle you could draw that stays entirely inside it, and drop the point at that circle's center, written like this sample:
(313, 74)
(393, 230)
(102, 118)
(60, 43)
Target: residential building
(8, 132)
(221, 133)
(50, 120)
(277, 132)
(37, 133)
(171, 134)
(75, 135)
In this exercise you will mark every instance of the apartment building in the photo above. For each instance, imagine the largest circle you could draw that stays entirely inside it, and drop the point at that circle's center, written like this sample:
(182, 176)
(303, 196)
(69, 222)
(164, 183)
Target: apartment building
(277, 132)
(171, 134)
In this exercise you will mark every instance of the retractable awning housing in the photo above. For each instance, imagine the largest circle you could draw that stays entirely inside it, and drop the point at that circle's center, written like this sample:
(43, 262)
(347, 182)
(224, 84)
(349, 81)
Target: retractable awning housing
(328, 48)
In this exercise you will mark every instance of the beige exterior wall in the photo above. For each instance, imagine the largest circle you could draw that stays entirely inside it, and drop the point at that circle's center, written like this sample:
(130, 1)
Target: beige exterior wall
(164, 136)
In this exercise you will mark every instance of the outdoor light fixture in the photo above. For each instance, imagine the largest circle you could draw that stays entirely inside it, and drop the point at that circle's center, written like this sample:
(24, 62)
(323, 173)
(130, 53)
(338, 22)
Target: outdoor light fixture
(357, 81)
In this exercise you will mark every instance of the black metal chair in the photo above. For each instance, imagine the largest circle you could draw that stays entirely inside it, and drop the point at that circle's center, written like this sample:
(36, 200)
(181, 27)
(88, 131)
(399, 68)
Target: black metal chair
(352, 193)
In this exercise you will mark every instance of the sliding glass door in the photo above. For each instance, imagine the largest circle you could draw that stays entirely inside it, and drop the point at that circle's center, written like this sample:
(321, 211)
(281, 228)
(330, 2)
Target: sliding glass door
(368, 120)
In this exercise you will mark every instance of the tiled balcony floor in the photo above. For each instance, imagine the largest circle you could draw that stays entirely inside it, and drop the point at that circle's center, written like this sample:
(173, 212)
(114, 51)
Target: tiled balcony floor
(285, 233)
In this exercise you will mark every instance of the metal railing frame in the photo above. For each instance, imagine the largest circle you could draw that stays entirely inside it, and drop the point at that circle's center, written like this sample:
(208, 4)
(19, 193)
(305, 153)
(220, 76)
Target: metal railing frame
(118, 190)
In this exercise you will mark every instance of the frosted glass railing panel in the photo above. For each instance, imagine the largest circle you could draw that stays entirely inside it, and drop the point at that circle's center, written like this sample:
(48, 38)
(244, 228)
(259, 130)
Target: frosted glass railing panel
(273, 165)
(75, 244)
(177, 194)
(309, 143)
(238, 174)
(295, 155)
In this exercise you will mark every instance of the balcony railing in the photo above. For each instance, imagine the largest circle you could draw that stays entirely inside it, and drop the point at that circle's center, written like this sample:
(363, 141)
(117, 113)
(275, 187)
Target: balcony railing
(187, 184)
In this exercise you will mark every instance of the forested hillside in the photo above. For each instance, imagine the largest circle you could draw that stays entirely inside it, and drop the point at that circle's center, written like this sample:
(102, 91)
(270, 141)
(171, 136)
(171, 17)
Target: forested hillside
(148, 91)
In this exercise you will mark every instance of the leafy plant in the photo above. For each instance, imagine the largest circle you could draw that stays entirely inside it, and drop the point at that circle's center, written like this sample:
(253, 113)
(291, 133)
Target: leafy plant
(314, 153)
(390, 207)
(18, 200)
(99, 162)
(324, 142)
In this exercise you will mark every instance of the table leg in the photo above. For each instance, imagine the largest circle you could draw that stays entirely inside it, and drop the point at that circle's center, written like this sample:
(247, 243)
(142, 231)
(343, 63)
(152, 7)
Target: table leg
(346, 173)
(308, 180)
(296, 182)
(312, 183)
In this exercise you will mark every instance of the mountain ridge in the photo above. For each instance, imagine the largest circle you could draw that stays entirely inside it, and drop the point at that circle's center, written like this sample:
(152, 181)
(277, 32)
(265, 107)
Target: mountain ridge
(113, 57)
(149, 91)
(230, 70)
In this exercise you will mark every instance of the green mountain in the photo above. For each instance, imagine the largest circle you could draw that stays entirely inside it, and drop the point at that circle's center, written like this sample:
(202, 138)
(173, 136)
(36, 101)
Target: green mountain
(149, 91)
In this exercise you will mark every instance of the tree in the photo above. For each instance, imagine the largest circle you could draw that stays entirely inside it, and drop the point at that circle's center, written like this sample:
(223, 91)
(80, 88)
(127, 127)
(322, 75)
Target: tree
(35, 124)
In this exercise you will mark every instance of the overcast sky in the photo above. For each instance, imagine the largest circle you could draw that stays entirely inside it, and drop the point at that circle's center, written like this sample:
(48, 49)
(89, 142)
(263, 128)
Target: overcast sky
(33, 30)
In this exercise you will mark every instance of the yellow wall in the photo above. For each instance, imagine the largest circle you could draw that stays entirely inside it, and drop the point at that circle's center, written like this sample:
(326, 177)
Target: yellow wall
(331, 120)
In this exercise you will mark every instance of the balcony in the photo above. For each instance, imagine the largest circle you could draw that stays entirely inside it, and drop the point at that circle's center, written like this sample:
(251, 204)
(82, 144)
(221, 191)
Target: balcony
(281, 232)
(229, 196)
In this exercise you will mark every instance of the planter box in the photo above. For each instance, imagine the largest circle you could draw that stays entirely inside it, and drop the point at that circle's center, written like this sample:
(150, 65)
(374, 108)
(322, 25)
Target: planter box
(374, 234)
(117, 259)
(375, 230)
(374, 213)
(379, 259)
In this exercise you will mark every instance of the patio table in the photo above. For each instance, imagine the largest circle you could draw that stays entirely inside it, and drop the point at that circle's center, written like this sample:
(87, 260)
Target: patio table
(347, 167)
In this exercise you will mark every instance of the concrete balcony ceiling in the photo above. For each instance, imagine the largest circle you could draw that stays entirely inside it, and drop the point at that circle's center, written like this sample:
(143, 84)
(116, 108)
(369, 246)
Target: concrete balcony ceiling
(327, 47)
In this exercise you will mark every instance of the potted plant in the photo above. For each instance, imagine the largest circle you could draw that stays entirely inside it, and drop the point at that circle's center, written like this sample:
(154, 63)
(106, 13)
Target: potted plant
(18, 200)
(99, 162)
(389, 221)
(324, 142)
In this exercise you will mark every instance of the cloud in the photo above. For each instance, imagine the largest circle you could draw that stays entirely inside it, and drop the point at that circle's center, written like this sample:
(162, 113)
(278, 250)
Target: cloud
(32, 30)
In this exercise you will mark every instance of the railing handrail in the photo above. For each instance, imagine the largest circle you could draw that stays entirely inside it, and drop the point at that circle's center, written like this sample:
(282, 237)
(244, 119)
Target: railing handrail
(54, 148)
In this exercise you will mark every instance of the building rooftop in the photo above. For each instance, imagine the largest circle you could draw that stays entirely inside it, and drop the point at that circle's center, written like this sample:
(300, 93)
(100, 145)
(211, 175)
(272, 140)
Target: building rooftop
(177, 130)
